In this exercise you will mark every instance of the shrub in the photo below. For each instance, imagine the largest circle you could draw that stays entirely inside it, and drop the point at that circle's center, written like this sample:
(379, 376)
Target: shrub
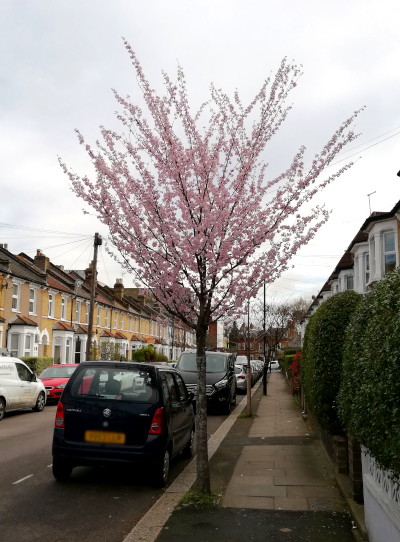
(323, 354)
(370, 390)
(286, 359)
(295, 373)
(37, 364)
(147, 354)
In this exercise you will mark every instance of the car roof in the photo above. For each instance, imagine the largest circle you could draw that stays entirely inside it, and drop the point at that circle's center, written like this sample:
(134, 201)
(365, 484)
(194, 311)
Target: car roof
(63, 365)
(11, 359)
(127, 364)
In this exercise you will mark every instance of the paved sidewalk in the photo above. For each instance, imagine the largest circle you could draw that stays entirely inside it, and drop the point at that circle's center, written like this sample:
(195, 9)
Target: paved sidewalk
(286, 468)
(274, 480)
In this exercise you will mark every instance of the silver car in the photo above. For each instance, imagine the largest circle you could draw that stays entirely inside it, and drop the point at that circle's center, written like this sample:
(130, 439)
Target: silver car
(241, 377)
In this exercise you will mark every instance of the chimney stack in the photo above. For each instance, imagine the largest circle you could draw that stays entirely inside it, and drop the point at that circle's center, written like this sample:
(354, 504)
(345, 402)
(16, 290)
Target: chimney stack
(41, 261)
(119, 289)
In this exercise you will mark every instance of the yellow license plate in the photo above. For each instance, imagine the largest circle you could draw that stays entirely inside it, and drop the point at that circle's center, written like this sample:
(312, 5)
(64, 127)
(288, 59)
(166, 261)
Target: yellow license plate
(105, 437)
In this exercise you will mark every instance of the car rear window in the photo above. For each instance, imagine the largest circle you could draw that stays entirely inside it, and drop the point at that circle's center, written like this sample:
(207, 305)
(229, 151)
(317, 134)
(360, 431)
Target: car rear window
(134, 384)
(215, 363)
(57, 372)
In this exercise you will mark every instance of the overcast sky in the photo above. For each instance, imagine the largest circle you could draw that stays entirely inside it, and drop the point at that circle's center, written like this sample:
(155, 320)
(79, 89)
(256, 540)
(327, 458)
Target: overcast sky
(60, 60)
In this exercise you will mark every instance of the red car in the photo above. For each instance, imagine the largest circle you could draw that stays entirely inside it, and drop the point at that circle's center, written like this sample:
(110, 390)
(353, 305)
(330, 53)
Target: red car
(55, 377)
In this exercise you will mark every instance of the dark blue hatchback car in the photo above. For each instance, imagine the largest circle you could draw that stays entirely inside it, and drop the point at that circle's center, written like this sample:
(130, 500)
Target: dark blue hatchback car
(123, 412)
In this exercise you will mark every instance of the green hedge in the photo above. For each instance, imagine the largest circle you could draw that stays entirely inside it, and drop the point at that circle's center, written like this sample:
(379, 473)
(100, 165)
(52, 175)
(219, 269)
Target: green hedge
(38, 364)
(147, 354)
(369, 398)
(322, 357)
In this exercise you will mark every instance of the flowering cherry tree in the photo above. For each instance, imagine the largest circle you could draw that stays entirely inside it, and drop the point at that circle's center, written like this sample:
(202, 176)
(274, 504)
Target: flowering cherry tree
(189, 205)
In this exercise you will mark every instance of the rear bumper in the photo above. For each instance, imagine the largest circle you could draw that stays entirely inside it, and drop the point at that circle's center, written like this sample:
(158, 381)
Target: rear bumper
(80, 454)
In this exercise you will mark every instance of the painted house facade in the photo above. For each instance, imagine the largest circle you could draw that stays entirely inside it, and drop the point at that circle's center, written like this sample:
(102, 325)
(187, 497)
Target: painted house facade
(44, 311)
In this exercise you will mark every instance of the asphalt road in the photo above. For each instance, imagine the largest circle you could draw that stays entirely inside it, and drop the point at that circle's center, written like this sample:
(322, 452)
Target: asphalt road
(96, 505)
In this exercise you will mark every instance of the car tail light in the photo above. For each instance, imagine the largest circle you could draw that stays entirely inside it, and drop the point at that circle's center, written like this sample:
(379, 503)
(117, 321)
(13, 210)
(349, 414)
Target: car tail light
(157, 423)
(59, 421)
(241, 377)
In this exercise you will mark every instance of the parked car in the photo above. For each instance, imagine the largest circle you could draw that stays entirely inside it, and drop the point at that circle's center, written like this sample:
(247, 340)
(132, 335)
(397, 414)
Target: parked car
(240, 360)
(241, 377)
(257, 369)
(131, 413)
(19, 387)
(220, 377)
(55, 378)
(274, 365)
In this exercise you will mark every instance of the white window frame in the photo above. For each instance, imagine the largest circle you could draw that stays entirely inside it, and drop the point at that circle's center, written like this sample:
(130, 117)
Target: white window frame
(50, 306)
(16, 296)
(386, 253)
(349, 282)
(63, 308)
(87, 305)
(78, 304)
(106, 324)
(367, 268)
(28, 345)
(32, 300)
(98, 316)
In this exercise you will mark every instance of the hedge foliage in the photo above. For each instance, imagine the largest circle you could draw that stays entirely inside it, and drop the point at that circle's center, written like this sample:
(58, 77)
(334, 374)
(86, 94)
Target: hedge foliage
(369, 399)
(147, 354)
(322, 357)
(286, 359)
(38, 364)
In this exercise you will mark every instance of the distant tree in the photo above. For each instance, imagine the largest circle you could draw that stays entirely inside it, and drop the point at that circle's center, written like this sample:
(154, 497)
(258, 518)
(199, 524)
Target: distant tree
(233, 335)
(190, 209)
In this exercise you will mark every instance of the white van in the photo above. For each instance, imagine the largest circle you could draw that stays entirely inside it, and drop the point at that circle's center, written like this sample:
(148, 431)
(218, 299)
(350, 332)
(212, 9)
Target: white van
(19, 387)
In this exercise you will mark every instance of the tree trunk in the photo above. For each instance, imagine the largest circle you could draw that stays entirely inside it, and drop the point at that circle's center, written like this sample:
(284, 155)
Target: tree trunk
(202, 484)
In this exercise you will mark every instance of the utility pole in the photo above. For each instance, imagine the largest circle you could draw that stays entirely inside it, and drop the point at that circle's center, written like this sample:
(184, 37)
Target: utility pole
(97, 242)
(248, 406)
(265, 366)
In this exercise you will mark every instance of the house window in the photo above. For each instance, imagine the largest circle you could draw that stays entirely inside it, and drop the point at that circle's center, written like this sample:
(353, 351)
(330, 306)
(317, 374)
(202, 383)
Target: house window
(28, 345)
(366, 268)
(32, 301)
(348, 282)
(77, 311)
(63, 308)
(67, 350)
(14, 344)
(51, 305)
(87, 312)
(106, 319)
(98, 316)
(389, 252)
(122, 321)
(57, 350)
(15, 297)
(116, 321)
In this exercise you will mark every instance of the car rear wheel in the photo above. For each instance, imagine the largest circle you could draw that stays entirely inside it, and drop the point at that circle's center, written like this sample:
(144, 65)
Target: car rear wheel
(62, 469)
(40, 402)
(162, 470)
(188, 450)
(2, 408)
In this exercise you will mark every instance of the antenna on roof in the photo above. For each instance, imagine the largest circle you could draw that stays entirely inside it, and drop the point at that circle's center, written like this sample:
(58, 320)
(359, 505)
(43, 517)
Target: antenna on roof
(369, 200)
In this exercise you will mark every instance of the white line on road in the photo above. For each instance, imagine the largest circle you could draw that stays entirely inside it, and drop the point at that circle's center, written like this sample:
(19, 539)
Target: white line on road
(22, 479)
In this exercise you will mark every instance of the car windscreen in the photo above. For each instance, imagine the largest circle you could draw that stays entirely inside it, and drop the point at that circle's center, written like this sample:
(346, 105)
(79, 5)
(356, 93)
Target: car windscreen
(134, 384)
(215, 363)
(57, 372)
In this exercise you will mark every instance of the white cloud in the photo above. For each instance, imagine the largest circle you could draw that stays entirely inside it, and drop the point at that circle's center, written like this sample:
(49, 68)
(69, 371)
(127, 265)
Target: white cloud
(61, 59)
